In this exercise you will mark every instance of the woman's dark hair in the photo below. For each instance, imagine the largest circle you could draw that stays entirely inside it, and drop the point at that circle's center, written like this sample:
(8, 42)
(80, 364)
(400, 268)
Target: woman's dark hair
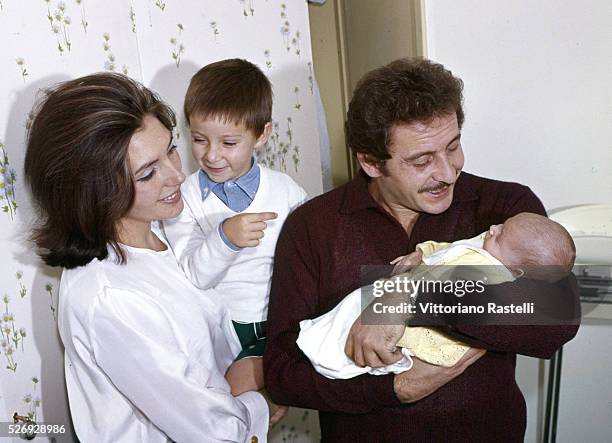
(403, 92)
(77, 164)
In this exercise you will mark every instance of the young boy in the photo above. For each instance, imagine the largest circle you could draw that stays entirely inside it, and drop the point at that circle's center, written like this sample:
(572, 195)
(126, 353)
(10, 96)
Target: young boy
(231, 202)
(527, 245)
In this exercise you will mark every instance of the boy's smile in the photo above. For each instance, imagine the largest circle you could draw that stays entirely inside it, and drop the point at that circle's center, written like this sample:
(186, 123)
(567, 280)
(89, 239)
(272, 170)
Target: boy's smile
(222, 148)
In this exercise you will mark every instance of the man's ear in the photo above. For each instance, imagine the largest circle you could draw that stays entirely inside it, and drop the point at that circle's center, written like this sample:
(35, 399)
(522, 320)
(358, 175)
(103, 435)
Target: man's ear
(370, 166)
(265, 135)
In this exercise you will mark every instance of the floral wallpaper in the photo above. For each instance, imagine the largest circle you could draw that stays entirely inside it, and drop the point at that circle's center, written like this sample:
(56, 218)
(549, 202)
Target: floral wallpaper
(161, 43)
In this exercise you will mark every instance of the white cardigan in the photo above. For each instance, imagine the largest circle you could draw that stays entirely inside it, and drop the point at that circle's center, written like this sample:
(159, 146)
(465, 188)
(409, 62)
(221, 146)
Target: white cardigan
(241, 278)
(146, 353)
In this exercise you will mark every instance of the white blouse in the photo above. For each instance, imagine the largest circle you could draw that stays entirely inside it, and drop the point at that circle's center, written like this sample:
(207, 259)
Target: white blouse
(146, 353)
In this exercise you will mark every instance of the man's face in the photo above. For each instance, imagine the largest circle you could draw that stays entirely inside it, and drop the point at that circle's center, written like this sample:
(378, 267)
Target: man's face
(426, 159)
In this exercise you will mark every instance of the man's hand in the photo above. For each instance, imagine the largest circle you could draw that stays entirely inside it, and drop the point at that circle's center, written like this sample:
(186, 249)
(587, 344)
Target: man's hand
(276, 412)
(373, 345)
(424, 379)
(405, 263)
(245, 230)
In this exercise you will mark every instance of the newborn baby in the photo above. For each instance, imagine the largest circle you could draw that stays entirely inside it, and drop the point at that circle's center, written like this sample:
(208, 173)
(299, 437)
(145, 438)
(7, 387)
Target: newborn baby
(525, 245)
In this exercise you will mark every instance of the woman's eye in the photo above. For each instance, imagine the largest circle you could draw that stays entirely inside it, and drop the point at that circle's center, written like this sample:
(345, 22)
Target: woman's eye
(172, 149)
(147, 177)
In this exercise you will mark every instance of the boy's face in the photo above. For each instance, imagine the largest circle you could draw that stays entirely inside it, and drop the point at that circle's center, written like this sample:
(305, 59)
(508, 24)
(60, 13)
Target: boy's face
(223, 149)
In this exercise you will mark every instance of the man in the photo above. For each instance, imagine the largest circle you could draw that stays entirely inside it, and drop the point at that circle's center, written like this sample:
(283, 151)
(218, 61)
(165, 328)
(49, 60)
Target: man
(404, 124)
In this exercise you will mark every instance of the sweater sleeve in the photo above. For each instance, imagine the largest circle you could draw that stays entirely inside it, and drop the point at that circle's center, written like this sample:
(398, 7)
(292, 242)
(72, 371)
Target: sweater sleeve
(562, 298)
(290, 378)
(203, 257)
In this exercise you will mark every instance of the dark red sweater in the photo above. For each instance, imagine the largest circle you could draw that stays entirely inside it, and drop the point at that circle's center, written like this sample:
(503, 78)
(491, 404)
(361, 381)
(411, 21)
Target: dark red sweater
(319, 254)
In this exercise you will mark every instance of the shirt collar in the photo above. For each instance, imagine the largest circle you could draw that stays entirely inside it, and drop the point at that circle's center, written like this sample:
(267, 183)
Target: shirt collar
(357, 196)
(249, 182)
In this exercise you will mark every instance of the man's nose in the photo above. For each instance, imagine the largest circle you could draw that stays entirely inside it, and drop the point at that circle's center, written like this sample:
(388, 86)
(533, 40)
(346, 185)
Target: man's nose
(445, 171)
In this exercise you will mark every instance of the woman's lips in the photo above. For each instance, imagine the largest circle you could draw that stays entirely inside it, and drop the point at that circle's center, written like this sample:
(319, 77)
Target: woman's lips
(172, 198)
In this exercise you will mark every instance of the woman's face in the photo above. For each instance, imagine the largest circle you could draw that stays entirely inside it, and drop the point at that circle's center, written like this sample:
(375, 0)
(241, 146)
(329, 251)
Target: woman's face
(156, 169)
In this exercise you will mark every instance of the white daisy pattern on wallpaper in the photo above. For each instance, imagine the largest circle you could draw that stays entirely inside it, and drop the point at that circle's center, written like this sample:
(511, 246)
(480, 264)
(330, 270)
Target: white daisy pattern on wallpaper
(60, 23)
(110, 64)
(23, 70)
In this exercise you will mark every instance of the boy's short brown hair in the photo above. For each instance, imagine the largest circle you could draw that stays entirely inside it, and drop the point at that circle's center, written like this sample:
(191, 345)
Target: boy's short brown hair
(233, 90)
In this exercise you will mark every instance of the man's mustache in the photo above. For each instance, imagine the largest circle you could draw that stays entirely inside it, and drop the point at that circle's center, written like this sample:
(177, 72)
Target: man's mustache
(438, 187)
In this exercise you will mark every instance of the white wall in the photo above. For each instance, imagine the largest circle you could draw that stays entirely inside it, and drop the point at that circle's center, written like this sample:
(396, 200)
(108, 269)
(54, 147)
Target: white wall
(538, 92)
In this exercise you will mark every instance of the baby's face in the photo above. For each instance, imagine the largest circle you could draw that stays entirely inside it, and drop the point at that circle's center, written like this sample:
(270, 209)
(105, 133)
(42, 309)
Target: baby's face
(502, 242)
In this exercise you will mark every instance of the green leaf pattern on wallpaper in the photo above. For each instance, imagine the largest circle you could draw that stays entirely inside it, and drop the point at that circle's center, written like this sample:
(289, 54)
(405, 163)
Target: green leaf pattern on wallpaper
(215, 28)
(8, 177)
(278, 148)
(84, 22)
(160, 4)
(177, 46)
(247, 7)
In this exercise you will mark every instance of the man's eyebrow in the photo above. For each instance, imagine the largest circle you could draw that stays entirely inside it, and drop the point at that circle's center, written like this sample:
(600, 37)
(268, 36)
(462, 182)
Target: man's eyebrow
(151, 163)
(420, 154)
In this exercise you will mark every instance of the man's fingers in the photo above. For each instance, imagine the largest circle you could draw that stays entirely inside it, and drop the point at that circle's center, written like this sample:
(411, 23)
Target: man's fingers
(373, 360)
(359, 358)
(397, 260)
(388, 358)
(348, 349)
(413, 259)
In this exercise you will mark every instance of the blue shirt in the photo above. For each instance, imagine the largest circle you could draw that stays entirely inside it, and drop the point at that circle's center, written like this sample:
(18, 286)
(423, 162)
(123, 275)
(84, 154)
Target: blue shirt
(236, 194)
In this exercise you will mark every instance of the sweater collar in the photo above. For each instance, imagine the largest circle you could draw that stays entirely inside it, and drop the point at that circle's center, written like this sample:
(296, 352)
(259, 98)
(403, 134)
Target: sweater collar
(357, 196)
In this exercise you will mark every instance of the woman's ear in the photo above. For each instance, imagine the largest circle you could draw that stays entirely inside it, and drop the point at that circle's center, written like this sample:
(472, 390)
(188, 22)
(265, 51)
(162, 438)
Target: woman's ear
(265, 135)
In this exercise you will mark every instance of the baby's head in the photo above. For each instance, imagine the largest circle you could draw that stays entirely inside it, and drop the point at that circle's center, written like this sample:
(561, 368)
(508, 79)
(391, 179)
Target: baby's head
(533, 245)
(228, 107)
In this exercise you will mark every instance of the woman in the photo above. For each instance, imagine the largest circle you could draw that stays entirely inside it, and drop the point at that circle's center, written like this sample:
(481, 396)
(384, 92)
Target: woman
(145, 352)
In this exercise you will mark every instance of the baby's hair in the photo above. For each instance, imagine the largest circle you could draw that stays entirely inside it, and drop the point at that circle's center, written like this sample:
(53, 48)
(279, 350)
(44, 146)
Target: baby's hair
(549, 252)
(232, 90)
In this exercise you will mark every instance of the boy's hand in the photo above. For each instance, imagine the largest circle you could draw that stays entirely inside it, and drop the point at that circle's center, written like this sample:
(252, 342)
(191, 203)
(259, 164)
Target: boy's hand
(245, 230)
